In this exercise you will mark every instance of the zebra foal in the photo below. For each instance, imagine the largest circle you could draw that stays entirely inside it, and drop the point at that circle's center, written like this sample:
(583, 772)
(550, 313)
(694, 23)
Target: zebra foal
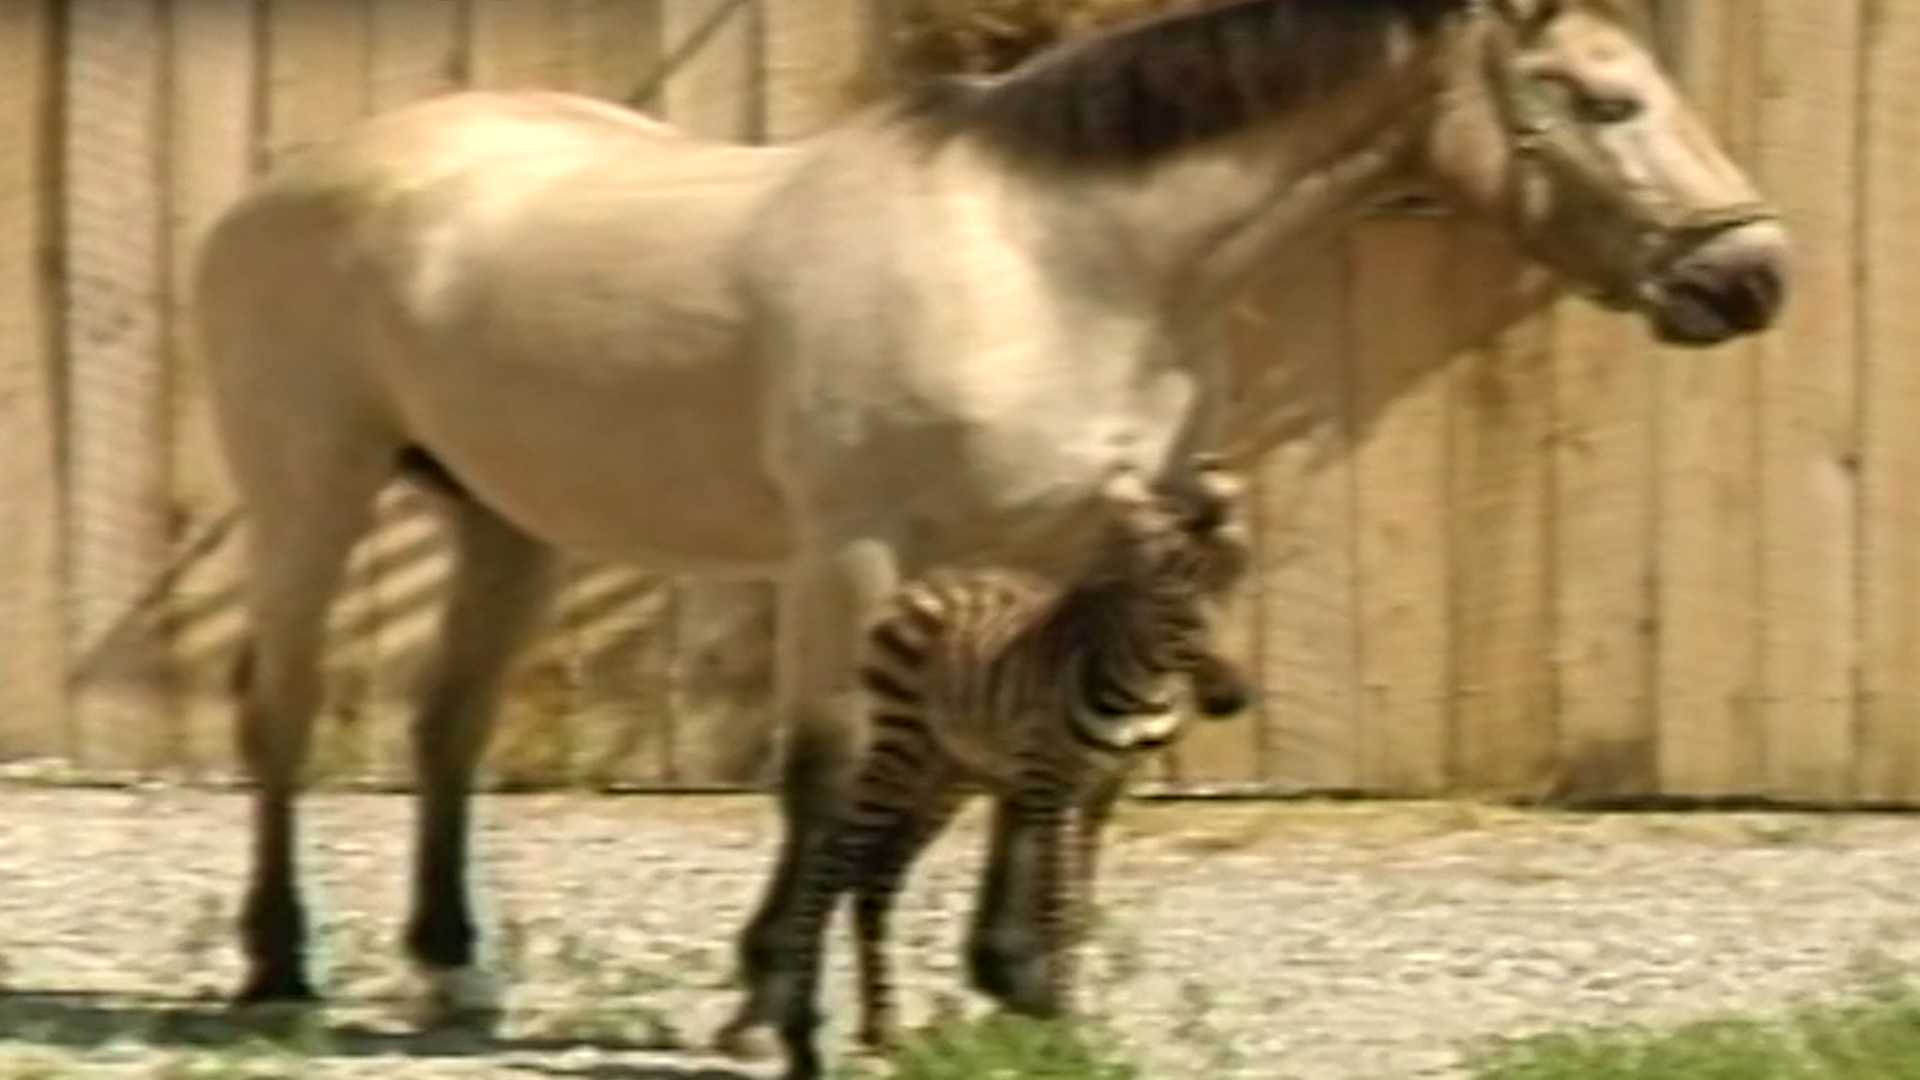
(1045, 698)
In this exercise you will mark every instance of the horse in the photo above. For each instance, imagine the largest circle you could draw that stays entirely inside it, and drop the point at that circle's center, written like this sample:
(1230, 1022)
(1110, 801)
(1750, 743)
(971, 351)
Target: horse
(924, 336)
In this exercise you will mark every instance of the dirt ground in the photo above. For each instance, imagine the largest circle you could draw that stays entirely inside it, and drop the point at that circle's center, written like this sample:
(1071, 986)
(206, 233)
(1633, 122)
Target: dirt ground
(1306, 941)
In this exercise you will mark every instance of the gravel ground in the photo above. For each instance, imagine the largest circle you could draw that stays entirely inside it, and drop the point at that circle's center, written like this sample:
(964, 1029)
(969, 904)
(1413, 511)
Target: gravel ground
(1257, 940)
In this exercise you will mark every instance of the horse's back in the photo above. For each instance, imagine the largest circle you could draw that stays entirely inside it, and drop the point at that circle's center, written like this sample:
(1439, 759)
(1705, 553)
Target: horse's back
(533, 287)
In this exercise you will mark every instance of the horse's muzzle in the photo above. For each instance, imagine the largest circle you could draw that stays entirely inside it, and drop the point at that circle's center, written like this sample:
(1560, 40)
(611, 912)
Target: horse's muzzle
(1732, 284)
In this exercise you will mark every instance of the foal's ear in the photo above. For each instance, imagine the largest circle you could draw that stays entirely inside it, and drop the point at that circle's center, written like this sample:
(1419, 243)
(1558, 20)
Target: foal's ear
(1128, 500)
(1530, 15)
(1217, 493)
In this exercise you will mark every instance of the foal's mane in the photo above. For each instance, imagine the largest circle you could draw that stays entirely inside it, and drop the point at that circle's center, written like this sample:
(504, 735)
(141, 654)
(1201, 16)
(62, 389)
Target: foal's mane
(1145, 90)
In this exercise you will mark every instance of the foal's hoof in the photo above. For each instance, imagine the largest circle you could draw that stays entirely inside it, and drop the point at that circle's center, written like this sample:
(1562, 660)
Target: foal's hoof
(467, 997)
(749, 1039)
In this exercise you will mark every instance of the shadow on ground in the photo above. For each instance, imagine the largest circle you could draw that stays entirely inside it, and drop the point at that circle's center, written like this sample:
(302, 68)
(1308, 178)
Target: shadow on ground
(83, 1020)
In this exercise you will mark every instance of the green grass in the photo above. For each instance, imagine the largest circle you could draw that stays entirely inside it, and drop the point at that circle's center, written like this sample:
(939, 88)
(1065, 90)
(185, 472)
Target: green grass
(1006, 1047)
(1873, 1037)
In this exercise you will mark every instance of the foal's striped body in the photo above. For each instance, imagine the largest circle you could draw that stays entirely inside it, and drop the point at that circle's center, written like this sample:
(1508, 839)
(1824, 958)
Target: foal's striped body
(1047, 700)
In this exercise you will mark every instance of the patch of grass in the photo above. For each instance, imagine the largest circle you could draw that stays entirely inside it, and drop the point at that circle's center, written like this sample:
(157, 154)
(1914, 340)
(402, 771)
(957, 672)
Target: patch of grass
(1873, 1037)
(1004, 1045)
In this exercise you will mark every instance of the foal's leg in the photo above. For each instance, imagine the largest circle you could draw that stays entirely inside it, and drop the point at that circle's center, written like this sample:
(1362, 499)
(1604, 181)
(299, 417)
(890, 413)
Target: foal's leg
(905, 835)
(1095, 812)
(501, 582)
(822, 706)
(301, 536)
(1045, 988)
(1005, 945)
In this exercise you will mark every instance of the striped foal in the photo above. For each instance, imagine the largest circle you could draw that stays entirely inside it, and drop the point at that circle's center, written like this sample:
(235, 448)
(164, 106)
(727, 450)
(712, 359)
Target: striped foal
(1046, 699)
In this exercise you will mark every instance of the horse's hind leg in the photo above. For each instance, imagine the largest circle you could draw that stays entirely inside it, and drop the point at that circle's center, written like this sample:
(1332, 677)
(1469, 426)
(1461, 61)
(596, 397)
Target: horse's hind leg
(305, 520)
(501, 583)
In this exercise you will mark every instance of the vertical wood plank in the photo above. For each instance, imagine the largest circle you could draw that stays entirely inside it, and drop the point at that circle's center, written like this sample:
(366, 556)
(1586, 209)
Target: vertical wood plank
(1603, 554)
(721, 674)
(416, 50)
(317, 60)
(1400, 475)
(1888, 753)
(33, 703)
(317, 64)
(1501, 551)
(822, 59)
(516, 45)
(621, 621)
(210, 148)
(1293, 390)
(716, 92)
(1707, 668)
(718, 728)
(616, 44)
(607, 636)
(1807, 163)
(117, 519)
(1308, 591)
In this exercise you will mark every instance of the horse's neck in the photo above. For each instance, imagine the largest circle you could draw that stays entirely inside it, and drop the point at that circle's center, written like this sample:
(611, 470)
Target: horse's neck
(1190, 232)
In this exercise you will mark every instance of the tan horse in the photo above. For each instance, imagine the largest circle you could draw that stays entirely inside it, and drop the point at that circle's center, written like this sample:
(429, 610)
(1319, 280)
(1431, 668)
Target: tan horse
(930, 333)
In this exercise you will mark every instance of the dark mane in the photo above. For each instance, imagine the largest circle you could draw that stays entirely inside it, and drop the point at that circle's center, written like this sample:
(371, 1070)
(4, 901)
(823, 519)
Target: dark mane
(1139, 92)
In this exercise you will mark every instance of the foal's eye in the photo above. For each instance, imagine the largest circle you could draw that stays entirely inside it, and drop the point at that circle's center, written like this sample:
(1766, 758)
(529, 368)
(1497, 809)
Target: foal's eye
(1532, 16)
(1607, 108)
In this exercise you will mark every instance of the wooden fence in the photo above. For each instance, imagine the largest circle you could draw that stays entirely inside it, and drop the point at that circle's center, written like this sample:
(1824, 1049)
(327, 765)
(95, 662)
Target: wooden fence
(1505, 548)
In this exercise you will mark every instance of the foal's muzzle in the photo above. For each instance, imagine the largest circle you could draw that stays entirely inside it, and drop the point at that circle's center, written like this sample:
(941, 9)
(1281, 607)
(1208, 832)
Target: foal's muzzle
(1220, 688)
(1731, 284)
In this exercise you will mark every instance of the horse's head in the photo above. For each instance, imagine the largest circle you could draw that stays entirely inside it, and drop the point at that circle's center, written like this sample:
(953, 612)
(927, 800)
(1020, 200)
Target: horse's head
(1557, 120)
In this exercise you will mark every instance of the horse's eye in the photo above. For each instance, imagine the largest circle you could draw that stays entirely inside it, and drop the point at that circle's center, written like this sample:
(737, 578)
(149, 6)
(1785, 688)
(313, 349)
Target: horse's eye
(1607, 108)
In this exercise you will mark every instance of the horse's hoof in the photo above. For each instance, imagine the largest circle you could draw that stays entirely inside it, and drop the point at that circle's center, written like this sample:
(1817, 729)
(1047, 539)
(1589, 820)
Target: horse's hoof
(269, 989)
(278, 1010)
(458, 997)
(748, 1040)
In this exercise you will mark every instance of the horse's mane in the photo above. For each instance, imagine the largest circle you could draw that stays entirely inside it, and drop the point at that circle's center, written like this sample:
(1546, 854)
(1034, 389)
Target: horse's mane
(1141, 91)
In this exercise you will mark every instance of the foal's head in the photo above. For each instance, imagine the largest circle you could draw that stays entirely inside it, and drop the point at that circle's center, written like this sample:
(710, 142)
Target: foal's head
(1183, 553)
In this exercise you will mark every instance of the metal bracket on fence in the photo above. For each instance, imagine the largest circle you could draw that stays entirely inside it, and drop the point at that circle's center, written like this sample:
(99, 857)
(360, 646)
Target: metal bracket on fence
(680, 54)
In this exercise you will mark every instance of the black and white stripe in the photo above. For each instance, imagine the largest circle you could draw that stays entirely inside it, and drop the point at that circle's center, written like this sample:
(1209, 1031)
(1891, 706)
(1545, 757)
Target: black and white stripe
(1045, 698)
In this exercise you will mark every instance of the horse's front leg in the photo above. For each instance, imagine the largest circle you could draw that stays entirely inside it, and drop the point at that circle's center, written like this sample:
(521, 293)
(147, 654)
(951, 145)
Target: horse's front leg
(501, 582)
(824, 610)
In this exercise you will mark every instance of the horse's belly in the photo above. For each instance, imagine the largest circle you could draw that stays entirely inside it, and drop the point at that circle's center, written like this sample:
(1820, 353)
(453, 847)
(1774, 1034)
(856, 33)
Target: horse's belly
(679, 489)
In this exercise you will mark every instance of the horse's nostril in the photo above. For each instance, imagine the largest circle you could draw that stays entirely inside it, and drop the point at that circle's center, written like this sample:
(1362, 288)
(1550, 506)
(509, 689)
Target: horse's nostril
(1735, 283)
